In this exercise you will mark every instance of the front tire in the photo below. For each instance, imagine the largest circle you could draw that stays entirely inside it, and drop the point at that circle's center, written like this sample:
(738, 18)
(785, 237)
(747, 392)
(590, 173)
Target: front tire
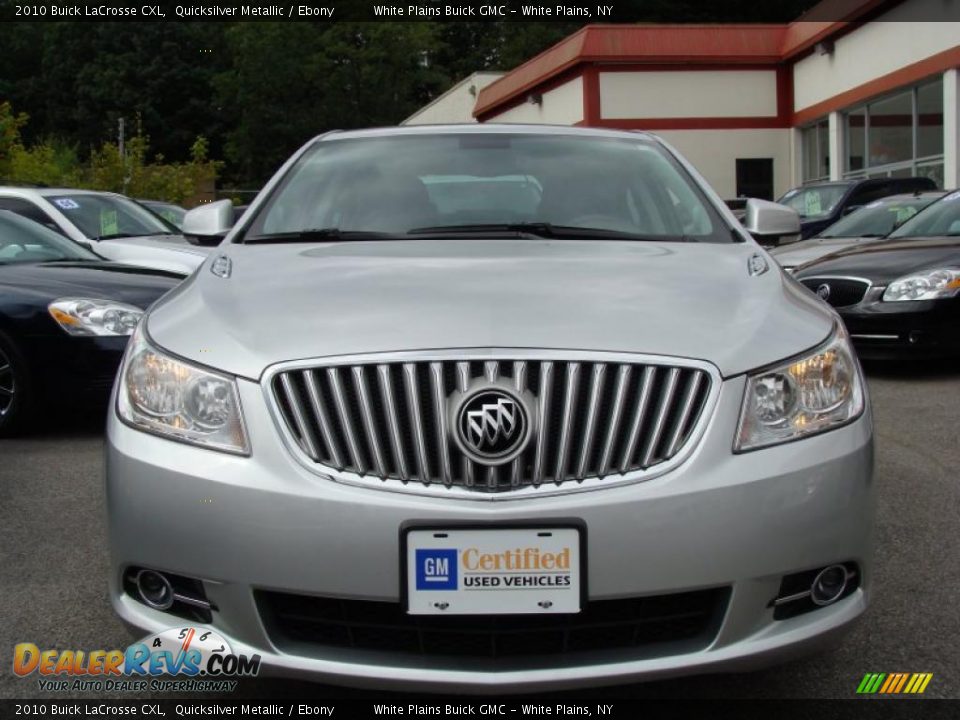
(16, 390)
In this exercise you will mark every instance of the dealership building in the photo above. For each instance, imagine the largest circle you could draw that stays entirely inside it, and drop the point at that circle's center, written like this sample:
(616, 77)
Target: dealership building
(757, 108)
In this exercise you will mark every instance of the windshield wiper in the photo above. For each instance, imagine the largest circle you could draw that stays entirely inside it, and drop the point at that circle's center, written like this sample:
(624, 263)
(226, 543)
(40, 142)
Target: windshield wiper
(319, 235)
(113, 236)
(547, 230)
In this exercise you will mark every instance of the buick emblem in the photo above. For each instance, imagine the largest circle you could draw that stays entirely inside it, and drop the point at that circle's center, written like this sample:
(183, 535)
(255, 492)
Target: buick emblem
(492, 425)
(823, 292)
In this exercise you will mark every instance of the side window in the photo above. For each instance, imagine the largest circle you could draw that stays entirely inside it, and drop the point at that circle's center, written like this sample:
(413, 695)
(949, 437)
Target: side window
(27, 209)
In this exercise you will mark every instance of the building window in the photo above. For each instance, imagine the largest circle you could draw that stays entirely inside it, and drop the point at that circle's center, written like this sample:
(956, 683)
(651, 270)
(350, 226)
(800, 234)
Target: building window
(815, 141)
(899, 135)
(755, 178)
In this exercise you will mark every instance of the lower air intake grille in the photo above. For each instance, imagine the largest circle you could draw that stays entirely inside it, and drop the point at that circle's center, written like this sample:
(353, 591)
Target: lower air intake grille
(395, 422)
(691, 618)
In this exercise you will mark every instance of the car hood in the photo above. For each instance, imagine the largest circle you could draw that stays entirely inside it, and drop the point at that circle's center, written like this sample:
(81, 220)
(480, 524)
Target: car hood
(290, 302)
(168, 242)
(808, 250)
(45, 282)
(884, 261)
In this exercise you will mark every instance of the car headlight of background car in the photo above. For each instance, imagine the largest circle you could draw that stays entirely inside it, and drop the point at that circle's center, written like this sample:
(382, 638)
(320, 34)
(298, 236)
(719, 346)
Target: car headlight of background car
(169, 397)
(95, 317)
(801, 397)
(929, 285)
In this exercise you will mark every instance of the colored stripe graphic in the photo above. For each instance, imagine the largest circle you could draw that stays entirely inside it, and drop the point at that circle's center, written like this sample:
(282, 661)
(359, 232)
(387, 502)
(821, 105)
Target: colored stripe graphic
(894, 683)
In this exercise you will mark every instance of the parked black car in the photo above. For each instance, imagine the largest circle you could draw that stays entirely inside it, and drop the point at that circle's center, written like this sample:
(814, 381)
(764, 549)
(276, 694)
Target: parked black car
(822, 204)
(900, 295)
(65, 317)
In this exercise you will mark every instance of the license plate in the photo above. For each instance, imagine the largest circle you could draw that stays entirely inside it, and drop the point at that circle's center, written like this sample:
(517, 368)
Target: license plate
(493, 571)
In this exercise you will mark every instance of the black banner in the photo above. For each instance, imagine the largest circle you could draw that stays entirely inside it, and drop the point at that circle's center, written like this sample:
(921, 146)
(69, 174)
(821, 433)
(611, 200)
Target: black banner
(429, 706)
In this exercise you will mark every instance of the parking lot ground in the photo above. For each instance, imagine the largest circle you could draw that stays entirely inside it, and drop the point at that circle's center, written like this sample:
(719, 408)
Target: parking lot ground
(53, 562)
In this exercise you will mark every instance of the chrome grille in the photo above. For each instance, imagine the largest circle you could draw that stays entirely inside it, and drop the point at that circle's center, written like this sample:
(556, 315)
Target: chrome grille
(389, 421)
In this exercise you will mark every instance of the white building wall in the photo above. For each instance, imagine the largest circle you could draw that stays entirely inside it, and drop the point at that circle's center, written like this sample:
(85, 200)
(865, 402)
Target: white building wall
(876, 49)
(561, 106)
(714, 153)
(456, 104)
(688, 94)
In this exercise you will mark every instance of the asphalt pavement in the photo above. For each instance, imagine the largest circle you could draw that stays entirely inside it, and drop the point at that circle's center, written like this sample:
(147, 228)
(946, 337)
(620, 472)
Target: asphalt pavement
(53, 559)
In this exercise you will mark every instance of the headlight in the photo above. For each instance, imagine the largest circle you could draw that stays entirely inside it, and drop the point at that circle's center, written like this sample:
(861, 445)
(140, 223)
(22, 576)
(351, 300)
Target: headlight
(802, 397)
(90, 316)
(166, 396)
(930, 285)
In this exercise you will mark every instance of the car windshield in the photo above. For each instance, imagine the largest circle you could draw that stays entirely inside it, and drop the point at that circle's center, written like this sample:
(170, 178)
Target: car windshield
(814, 201)
(101, 217)
(877, 219)
(941, 218)
(512, 184)
(25, 241)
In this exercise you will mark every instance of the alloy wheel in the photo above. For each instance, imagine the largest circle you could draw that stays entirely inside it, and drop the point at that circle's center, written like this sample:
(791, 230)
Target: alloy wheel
(8, 387)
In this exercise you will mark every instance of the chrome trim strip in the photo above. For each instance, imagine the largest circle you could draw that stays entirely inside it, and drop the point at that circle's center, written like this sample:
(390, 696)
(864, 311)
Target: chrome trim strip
(187, 600)
(462, 356)
(875, 337)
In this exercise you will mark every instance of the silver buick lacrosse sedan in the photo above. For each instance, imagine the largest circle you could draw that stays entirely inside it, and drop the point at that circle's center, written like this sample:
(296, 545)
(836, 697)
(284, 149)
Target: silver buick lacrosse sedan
(491, 409)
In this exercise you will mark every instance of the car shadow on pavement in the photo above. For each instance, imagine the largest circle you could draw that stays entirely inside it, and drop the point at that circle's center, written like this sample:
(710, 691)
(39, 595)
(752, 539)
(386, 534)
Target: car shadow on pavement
(912, 369)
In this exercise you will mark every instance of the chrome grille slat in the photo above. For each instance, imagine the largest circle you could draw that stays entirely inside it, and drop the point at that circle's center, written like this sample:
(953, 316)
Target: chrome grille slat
(323, 417)
(593, 408)
(520, 383)
(416, 421)
(566, 424)
(440, 416)
(646, 387)
(686, 407)
(339, 400)
(393, 421)
(308, 441)
(463, 383)
(620, 396)
(546, 390)
(598, 420)
(653, 439)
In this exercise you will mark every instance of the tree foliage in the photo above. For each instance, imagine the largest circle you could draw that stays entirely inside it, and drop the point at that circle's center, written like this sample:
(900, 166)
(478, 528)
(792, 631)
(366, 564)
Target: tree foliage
(258, 90)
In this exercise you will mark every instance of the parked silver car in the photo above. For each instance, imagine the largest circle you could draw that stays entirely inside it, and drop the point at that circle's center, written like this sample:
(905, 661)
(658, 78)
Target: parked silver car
(112, 225)
(397, 434)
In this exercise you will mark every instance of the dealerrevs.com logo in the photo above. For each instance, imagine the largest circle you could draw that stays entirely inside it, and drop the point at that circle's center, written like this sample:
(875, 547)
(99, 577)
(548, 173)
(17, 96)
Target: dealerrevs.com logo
(199, 660)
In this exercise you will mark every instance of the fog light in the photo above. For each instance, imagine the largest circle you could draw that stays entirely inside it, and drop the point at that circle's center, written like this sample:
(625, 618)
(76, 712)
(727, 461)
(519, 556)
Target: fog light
(829, 585)
(154, 589)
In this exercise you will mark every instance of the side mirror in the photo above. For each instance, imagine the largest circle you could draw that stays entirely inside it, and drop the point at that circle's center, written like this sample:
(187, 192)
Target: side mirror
(208, 224)
(770, 222)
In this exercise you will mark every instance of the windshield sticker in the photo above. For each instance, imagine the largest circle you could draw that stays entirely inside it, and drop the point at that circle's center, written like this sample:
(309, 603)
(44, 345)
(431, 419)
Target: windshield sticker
(108, 223)
(812, 203)
(66, 204)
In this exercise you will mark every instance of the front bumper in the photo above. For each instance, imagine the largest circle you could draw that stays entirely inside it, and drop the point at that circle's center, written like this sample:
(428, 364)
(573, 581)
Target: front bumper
(919, 328)
(718, 521)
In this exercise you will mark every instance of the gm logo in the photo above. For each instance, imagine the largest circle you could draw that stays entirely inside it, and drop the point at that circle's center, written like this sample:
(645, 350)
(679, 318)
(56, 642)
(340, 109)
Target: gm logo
(436, 569)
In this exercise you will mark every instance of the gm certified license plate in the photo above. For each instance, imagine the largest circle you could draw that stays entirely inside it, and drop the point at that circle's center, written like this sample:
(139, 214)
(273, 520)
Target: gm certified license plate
(493, 571)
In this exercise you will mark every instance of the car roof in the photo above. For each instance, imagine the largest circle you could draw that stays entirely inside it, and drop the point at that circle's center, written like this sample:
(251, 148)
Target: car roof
(48, 192)
(919, 194)
(483, 129)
